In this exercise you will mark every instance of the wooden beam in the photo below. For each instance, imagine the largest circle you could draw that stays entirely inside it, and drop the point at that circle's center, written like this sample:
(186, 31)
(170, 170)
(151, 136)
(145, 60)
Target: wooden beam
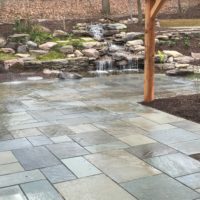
(149, 52)
(157, 6)
(151, 9)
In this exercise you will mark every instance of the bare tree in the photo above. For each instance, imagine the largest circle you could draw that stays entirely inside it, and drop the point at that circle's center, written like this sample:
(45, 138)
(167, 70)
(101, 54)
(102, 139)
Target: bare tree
(180, 10)
(106, 7)
(139, 6)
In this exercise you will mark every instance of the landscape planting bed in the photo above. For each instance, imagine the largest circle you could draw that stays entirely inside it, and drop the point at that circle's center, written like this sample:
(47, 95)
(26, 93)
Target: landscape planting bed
(185, 106)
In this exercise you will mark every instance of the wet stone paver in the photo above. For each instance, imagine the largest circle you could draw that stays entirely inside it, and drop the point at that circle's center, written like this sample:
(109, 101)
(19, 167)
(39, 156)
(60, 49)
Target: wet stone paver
(36, 157)
(11, 193)
(150, 150)
(89, 139)
(58, 173)
(159, 187)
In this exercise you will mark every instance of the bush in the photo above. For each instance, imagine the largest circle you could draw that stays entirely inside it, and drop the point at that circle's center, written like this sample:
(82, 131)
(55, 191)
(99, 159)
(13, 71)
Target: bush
(35, 31)
(52, 55)
(39, 36)
(22, 26)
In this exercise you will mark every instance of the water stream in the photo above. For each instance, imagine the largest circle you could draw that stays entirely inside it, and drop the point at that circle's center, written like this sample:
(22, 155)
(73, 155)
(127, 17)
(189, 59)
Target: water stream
(107, 64)
(97, 31)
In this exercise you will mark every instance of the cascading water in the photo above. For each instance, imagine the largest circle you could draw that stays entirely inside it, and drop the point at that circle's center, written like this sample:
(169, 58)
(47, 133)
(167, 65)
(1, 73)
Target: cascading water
(132, 64)
(96, 30)
(104, 65)
(108, 64)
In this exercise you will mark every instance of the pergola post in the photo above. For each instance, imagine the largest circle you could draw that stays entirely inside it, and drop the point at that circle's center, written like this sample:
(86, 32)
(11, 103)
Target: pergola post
(151, 9)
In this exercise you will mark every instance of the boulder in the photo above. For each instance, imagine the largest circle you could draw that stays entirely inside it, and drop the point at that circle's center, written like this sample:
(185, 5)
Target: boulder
(133, 20)
(103, 51)
(71, 55)
(196, 56)
(89, 45)
(26, 57)
(12, 45)
(91, 53)
(133, 36)
(22, 55)
(68, 49)
(67, 75)
(174, 54)
(2, 42)
(14, 63)
(49, 72)
(59, 33)
(31, 45)
(47, 45)
(19, 38)
(69, 64)
(114, 48)
(78, 63)
(120, 35)
(108, 33)
(33, 64)
(137, 48)
(78, 53)
(134, 43)
(165, 66)
(184, 59)
(7, 50)
(162, 37)
(87, 39)
(44, 29)
(130, 21)
(118, 56)
(182, 66)
(170, 59)
(81, 33)
(22, 49)
(115, 26)
(38, 52)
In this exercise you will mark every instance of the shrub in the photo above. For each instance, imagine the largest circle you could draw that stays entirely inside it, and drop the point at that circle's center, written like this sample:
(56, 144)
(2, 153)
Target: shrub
(35, 31)
(161, 56)
(39, 36)
(52, 55)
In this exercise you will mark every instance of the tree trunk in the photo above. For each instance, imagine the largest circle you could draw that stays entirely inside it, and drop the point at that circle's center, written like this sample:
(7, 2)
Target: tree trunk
(106, 7)
(131, 4)
(140, 17)
(180, 11)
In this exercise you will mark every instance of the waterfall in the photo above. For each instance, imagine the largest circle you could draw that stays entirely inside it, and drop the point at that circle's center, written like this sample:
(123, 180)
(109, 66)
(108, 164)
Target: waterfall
(96, 30)
(132, 64)
(108, 63)
(104, 65)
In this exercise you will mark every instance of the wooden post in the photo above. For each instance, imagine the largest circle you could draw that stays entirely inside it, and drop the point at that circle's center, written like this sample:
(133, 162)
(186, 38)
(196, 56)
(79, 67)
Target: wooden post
(151, 9)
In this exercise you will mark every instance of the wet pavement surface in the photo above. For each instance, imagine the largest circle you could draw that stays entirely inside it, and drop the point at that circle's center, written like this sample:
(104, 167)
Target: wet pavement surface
(90, 139)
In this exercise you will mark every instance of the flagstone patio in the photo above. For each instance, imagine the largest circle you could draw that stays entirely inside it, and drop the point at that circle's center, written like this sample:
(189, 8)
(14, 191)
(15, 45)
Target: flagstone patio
(89, 139)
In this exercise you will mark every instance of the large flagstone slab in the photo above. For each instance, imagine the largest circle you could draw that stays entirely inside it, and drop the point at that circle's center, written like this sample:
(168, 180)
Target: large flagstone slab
(175, 164)
(36, 157)
(159, 187)
(121, 166)
(12, 193)
(97, 187)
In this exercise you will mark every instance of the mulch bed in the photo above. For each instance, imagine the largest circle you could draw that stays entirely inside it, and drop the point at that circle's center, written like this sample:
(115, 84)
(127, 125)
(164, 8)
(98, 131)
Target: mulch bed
(185, 106)
(180, 46)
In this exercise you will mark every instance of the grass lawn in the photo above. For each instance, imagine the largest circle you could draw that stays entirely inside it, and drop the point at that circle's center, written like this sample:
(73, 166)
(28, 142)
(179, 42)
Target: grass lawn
(179, 22)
